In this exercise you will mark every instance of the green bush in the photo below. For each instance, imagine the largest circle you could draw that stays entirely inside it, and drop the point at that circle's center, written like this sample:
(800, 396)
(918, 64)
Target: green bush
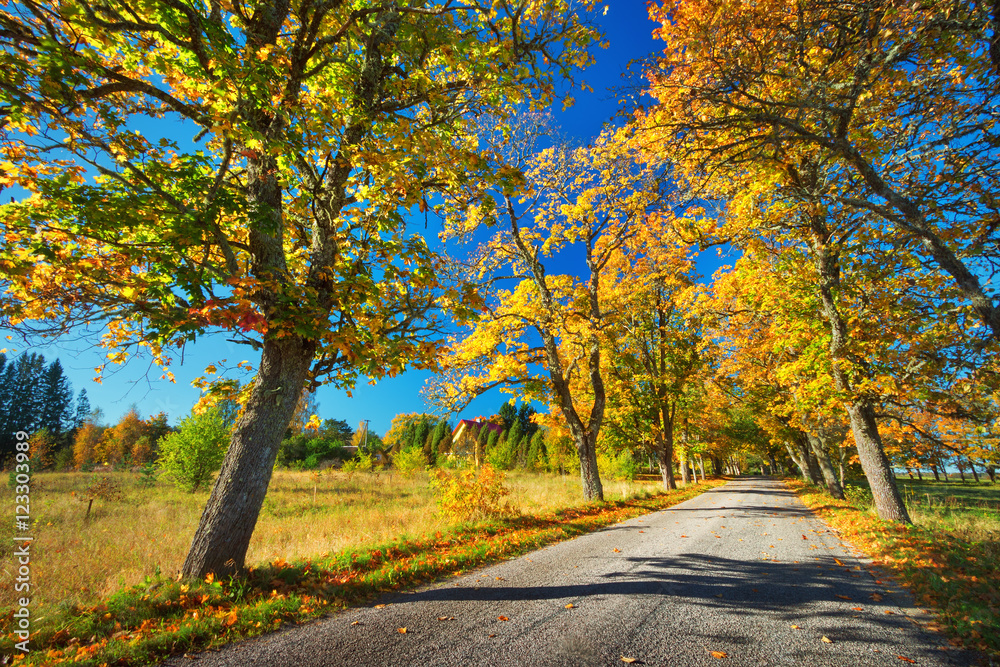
(304, 452)
(192, 454)
(362, 462)
(410, 461)
(621, 466)
(467, 494)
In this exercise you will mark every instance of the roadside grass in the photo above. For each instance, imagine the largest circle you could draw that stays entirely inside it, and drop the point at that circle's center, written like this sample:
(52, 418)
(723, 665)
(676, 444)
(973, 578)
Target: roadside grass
(157, 616)
(149, 529)
(948, 559)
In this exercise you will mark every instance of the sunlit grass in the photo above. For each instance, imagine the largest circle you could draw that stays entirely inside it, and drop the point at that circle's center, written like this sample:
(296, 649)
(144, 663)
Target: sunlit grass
(161, 616)
(304, 515)
(949, 557)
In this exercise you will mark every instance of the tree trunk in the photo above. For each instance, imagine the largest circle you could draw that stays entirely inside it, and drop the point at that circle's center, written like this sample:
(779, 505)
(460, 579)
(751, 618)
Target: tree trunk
(774, 463)
(920, 475)
(825, 466)
(717, 466)
(961, 469)
(701, 464)
(843, 456)
(665, 457)
(975, 473)
(992, 472)
(223, 535)
(685, 471)
(874, 462)
(801, 459)
(592, 487)
(934, 470)
(815, 474)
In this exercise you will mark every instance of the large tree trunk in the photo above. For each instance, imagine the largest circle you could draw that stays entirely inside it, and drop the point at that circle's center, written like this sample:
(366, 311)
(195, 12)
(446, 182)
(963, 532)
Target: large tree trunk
(223, 535)
(591, 480)
(825, 466)
(685, 471)
(874, 462)
(773, 463)
(665, 457)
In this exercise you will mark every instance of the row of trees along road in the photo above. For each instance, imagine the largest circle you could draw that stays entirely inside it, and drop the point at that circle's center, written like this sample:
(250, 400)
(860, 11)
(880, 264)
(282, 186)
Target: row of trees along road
(847, 149)
(852, 151)
(312, 127)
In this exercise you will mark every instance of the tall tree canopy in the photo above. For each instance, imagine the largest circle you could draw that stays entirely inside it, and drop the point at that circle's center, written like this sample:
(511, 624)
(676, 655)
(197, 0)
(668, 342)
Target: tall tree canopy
(313, 126)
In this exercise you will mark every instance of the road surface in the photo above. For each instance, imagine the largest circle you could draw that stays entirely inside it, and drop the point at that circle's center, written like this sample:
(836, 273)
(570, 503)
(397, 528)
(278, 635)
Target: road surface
(744, 570)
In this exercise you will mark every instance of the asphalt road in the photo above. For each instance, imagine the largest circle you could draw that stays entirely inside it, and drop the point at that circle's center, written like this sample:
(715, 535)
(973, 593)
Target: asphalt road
(743, 570)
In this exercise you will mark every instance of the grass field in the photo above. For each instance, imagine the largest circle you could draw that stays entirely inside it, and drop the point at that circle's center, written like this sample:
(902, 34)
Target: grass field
(149, 529)
(160, 616)
(948, 558)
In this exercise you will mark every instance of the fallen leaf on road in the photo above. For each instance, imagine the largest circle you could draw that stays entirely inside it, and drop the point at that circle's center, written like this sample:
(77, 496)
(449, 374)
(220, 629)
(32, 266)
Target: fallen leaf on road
(401, 631)
(356, 623)
(683, 535)
(804, 537)
(796, 627)
(826, 640)
(502, 618)
(718, 654)
(843, 597)
(856, 609)
(905, 659)
(446, 618)
(876, 597)
(837, 561)
(570, 605)
(380, 606)
(492, 635)
(642, 531)
(618, 551)
(629, 660)
(719, 595)
(889, 612)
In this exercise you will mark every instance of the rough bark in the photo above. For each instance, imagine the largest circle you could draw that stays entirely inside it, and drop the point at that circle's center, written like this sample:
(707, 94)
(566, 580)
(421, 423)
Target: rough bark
(773, 463)
(685, 471)
(860, 409)
(818, 448)
(227, 523)
(717, 466)
(665, 458)
(801, 459)
(874, 462)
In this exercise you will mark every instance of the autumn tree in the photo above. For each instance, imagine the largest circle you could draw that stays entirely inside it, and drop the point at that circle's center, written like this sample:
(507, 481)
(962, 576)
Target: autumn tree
(540, 332)
(897, 99)
(311, 128)
(652, 341)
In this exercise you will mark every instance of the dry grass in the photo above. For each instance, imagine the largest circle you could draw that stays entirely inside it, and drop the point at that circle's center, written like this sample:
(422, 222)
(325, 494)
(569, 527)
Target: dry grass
(304, 515)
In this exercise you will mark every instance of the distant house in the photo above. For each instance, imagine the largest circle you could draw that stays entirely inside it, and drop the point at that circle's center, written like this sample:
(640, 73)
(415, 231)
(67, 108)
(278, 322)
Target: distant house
(473, 426)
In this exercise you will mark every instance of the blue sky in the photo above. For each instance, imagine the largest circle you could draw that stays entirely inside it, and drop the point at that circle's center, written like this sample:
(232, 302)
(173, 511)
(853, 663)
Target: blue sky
(628, 32)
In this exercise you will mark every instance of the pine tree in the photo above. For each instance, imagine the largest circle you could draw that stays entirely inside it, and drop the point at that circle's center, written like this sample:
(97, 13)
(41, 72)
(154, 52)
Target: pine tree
(56, 402)
(82, 412)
